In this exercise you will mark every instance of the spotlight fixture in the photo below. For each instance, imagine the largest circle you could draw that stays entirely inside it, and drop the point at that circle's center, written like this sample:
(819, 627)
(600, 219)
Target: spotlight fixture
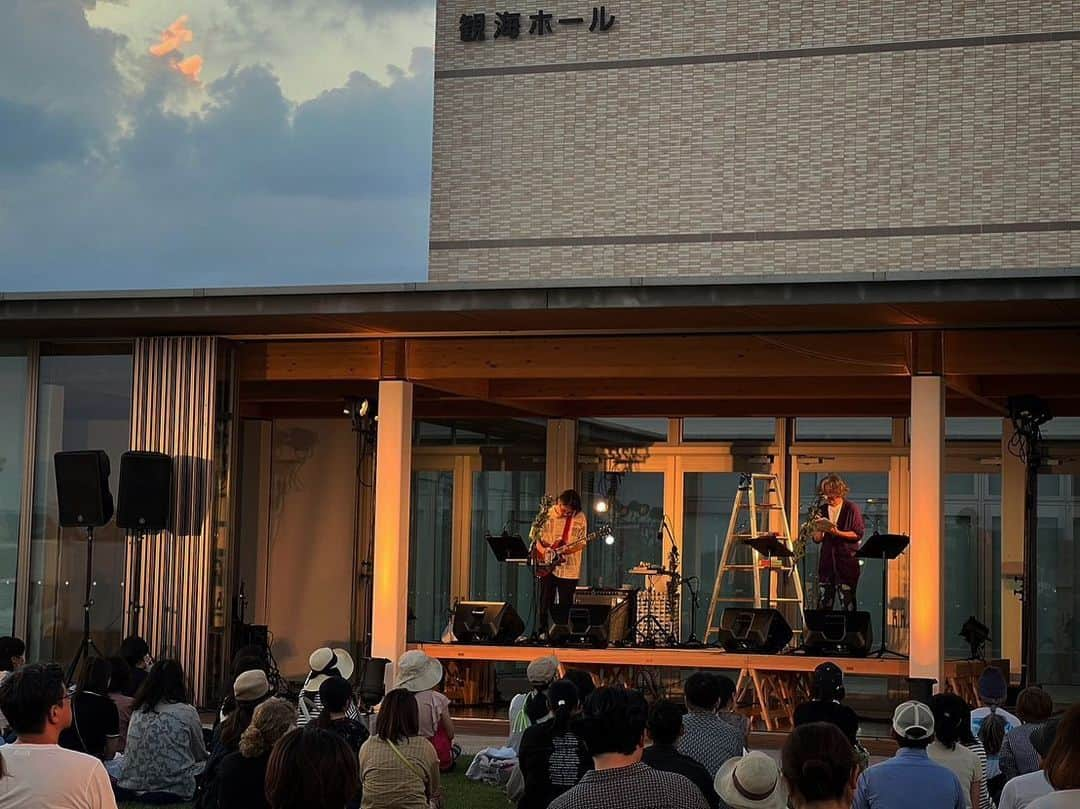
(976, 633)
(601, 506)
(609, 538)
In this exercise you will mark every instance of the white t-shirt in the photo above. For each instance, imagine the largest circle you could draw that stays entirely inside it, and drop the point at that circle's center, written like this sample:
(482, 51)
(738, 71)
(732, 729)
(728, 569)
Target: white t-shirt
(1062, 799)
(1023, 789)
(39, 775)
(964, 763)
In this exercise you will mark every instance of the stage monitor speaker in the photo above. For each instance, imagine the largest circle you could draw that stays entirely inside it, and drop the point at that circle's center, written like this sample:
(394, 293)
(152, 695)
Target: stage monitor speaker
(82, 488)
(838, 632)
(761, 631)
(589, 624)
(486, 622)
(144, 494)
(371, 676)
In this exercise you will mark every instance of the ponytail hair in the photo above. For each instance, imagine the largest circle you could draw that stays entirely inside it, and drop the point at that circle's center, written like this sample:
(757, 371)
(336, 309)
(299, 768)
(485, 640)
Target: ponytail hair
(992, 732)
(818, 762)
(562, 696)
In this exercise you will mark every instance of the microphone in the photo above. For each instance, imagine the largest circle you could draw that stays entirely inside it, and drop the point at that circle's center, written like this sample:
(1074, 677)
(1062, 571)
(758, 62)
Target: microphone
(660, 530)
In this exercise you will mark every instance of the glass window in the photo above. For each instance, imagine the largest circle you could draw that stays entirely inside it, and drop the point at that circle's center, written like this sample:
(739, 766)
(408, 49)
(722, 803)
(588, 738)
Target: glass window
(972, 559)
(1057, 575)
(634, 516)
(431, 538)
(973, 429)
(729, 429)
(84, 402)
(707, 502)
(1067, 427)
(472, 432)
(503, 501)
(13, 370)
(830, 429)
(622, 432)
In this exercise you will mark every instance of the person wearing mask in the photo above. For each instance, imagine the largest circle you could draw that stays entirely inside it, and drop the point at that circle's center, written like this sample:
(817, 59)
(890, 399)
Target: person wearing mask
(136, 653)
(242, 775)
(727, 711)
(95, 724)
(1018, 757)
(398, 767)
(165, 749)
(613, 729)
(311, 768)
(820, 767)
(119, 687)
(707, 738)
(336, 696)
(1022, 790)
(35, 771)
(664, 727)
(420, 674)
(552, 757)
(910, 780)
(950, 714)
(752, 781)
(541, 673)
(1062, 765)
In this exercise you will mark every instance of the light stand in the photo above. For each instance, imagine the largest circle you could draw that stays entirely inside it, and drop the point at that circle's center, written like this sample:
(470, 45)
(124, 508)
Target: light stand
(86, 645)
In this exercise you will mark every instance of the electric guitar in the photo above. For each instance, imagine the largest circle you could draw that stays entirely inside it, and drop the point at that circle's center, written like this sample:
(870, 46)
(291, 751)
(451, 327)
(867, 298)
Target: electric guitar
(545, 560)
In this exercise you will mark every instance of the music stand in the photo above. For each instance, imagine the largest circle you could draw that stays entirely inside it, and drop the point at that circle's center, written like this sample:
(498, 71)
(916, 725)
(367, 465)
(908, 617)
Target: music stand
(511, 549)
(769, 546)
(884, 547)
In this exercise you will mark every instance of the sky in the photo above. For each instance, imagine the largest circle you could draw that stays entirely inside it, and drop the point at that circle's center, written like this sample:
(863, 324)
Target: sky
(213, 143)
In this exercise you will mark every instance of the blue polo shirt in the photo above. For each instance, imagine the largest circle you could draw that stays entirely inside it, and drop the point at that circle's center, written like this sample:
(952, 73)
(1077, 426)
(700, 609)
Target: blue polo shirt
(909, 780)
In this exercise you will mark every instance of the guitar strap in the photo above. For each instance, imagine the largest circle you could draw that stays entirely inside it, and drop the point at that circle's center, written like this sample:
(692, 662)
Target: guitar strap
(566, 529)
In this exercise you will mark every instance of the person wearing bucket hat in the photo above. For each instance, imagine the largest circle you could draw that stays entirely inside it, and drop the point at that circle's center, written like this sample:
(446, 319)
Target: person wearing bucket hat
(820, 767)
(420, 674)
(910, 779)
(1024, 789)
(324, 663)
(751, 782)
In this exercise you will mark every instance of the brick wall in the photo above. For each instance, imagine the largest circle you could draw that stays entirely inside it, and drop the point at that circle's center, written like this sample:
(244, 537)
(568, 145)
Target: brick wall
(896, 148)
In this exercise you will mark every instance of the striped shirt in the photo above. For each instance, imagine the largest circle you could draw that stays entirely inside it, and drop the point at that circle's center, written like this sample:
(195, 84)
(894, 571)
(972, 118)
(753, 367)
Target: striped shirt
(709, 740)
(638, 786)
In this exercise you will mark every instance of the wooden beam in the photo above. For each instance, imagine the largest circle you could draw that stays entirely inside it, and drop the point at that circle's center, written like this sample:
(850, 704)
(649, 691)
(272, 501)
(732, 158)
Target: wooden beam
(648, 387)
(1054, 351)
(392, 363)
(309, 360)
(971, 388)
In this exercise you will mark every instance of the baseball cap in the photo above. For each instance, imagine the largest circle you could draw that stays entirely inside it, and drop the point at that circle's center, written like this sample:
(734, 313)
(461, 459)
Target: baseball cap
(914, 721)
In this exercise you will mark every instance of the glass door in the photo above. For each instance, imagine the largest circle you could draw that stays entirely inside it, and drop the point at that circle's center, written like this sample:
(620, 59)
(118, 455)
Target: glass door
(431, 538)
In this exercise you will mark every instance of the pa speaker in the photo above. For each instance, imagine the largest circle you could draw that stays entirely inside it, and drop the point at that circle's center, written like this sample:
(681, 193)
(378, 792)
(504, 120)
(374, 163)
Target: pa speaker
(82, 488)
(760, 631)
(486, 622)
(596, 624)
(837, 632)
(145, 491)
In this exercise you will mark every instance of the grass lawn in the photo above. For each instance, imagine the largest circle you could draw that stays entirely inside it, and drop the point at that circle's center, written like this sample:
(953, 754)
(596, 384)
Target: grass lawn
(461, 793)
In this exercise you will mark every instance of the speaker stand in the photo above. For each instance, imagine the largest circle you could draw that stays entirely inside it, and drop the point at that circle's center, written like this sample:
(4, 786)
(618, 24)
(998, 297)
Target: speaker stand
(86, 645)
(135, 604)
(883, 651)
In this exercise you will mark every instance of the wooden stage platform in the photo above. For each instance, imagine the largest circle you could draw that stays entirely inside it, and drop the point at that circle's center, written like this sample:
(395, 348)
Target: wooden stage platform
(769, 686)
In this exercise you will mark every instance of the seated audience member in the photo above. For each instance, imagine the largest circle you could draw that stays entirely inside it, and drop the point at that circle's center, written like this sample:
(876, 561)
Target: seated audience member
(420, 674)
(1062, 765)
(119, 686)
(242, 775)
(990, 722)
(12, 655)
(324, 663)
(910, 780)
(243, 660)
(35, 771)
(552, 757)
(1019, 792)
(820, 767)
(95, 723)
(541, 672)
(582, 681)
(665, 726)
(311, 768)
(972, 743)
(249, 691)
(727, 711)
(165, 749)
(950, 714)
(398, 767)
(136, 653)
(707, 738)
(1033, 707)
(336, 697)
(826, 705)
(613, 729)
(752, 781)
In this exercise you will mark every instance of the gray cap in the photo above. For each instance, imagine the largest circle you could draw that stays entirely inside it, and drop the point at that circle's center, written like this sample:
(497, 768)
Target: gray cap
(914, 721)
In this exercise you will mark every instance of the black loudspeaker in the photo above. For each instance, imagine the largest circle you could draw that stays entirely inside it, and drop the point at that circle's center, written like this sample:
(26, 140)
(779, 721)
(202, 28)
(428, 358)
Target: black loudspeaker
(760, 631)
(589, 624)
(838, 632)
(82, 488)
(371, 676)
(144, 495)
(486, 622)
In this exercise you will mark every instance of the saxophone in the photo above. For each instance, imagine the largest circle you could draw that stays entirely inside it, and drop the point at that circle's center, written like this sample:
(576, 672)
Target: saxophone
(806, 530)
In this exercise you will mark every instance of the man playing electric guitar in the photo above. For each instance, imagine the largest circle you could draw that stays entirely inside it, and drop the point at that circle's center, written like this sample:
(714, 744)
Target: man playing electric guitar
(565, 528)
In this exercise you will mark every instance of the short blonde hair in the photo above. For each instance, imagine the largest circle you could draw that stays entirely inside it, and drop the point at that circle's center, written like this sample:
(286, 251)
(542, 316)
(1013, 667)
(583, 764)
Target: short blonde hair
(833, 484)
(272, 720)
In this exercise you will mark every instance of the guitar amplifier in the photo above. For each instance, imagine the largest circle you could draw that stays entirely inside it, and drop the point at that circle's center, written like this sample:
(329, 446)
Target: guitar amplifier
(598, 616)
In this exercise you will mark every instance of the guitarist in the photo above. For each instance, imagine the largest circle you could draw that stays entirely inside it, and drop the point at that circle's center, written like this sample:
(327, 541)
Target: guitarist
(565, 525)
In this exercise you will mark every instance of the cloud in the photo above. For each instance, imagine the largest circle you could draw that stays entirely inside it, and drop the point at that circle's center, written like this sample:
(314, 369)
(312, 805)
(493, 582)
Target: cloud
(250, 189)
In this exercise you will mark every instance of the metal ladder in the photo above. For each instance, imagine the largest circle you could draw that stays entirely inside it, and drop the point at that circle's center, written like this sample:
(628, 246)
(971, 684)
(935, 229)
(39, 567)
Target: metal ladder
(758, 498)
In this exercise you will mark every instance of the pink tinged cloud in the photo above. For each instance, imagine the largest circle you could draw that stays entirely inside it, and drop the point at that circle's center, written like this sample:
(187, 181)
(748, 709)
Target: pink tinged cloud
(172, 38)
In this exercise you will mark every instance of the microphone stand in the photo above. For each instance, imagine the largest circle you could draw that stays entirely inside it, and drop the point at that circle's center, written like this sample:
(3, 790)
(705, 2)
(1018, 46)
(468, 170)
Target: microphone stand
(692, 642)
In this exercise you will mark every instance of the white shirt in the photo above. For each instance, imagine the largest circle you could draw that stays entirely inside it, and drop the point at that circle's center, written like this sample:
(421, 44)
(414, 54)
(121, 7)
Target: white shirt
(1062, 799)
(47, 775)
(834, 512)
(552, 535)
(964, 763)
(1023, 789)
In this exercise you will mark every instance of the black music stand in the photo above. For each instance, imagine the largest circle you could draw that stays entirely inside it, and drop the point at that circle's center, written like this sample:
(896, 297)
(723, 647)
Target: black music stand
(884, 547)
(769, 546)
(511, 549)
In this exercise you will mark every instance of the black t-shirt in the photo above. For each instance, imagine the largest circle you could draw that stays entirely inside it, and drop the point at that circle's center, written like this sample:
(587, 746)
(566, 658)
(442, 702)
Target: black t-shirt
(551, 763)
(241, 782)
(832, 712)
(94, 720)
(666, 758)
(351, 731)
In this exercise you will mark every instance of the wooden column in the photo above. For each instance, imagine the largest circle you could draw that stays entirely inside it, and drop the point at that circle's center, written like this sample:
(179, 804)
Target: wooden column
(393, 483)
(561, 470)
(927, 517)
(1013, 481)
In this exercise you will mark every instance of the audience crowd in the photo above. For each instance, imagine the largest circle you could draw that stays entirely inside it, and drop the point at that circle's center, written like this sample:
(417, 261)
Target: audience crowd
(126, 729)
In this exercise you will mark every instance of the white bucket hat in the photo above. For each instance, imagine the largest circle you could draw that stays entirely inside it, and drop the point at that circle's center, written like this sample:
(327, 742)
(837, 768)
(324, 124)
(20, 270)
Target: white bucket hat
(325, 663)
(418, 672)
(751, 782)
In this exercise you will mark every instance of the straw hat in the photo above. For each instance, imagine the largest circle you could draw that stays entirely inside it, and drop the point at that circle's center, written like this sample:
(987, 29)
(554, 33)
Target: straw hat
(326, 662)
(418, 672)
(751, 782)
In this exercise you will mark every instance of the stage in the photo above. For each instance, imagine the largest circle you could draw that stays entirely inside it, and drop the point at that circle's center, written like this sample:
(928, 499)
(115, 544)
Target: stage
(769, 686)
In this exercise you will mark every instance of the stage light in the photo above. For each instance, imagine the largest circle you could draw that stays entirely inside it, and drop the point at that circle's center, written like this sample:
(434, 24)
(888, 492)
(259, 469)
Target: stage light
(609, 539)
(976, 633)
(346, 411)
(601, 506)
(364, 407)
